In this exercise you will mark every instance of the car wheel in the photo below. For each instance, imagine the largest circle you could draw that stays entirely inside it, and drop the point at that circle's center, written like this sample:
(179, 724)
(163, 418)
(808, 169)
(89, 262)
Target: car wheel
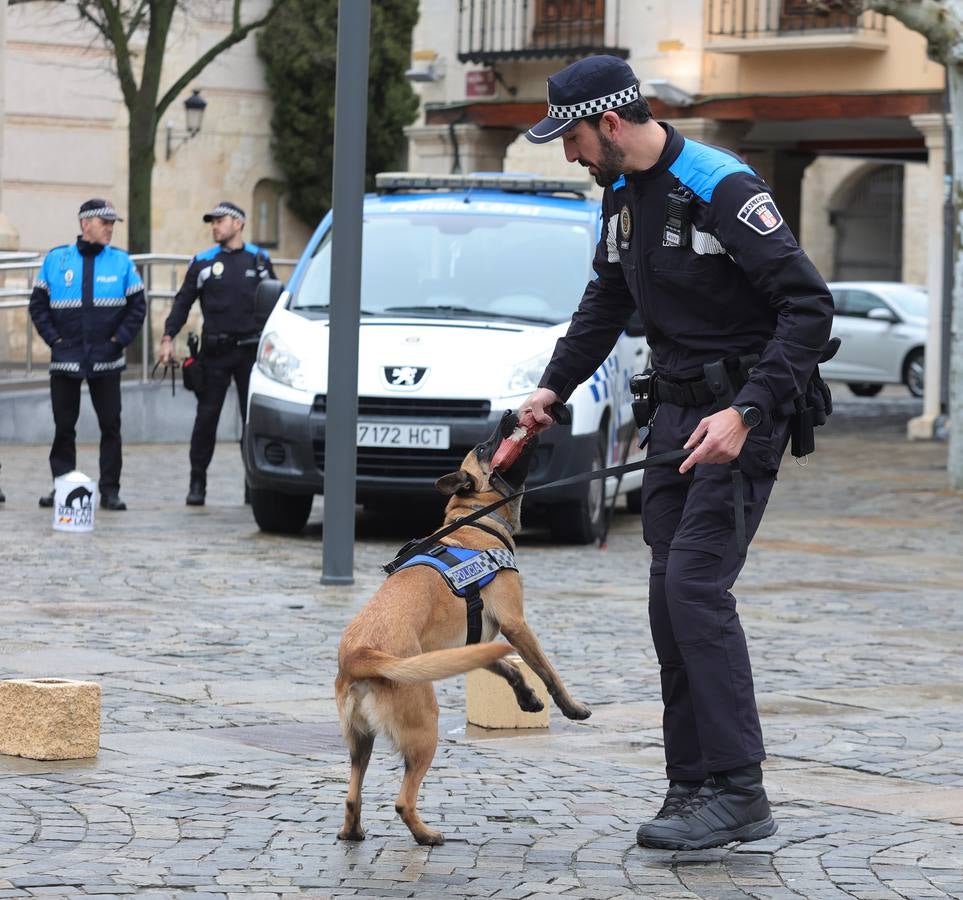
(582, 521)
(279, 513)
(864, 388)
(914, 371)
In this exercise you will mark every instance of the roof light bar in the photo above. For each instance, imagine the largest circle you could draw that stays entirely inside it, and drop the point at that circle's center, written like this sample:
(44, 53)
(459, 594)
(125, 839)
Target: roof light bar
(496, 181)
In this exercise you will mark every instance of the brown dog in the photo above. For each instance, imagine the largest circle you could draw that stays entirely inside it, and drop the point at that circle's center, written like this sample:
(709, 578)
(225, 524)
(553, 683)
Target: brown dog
(413, 631)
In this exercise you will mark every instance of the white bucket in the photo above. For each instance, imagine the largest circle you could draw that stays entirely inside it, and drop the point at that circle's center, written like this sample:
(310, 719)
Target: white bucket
(75, 498)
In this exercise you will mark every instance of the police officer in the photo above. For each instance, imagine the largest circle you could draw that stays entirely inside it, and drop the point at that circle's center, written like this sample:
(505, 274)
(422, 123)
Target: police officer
(736, 317)
(225, 277)
(88, 305)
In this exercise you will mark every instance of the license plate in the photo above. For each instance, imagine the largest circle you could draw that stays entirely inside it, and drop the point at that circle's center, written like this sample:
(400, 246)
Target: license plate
(407, 434)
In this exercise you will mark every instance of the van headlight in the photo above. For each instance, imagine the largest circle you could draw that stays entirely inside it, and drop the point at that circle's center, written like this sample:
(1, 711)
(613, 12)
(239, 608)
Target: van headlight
(526, 374)
(275, 359)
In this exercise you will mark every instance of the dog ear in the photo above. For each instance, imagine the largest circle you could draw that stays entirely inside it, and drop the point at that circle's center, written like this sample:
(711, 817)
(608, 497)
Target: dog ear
(460, 482)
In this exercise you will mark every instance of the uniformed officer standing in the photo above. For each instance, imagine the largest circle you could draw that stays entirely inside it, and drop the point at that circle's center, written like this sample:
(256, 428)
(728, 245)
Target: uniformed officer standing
(736, 317)
(225, 277)
(88, 305)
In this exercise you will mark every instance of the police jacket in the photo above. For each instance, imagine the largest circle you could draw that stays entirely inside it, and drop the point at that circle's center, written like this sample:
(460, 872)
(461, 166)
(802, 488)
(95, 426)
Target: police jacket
(741, 286)
(225, 280)
(87, 304)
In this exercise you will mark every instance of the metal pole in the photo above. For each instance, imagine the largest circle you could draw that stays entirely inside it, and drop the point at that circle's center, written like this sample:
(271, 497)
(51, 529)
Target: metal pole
(347, 198)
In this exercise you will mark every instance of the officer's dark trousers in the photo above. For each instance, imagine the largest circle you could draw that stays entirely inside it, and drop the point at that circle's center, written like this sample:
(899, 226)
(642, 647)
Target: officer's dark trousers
(218, 372)
(710, 723)
(65, 399)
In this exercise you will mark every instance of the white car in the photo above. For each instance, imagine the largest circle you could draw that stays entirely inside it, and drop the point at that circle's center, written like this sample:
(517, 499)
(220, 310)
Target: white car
(882, 326)
(467, 283)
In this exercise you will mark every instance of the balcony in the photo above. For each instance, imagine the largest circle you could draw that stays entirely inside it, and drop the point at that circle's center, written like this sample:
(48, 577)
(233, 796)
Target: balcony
(768, 26)
(492, 31)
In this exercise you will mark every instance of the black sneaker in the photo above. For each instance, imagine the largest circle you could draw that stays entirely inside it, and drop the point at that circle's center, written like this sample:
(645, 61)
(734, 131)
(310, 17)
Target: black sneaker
(46, 501)
(197, 492)
(731, 806)
(111, 500)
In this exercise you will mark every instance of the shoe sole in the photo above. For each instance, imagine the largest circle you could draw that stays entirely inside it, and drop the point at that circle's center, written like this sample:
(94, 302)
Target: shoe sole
(754, 831)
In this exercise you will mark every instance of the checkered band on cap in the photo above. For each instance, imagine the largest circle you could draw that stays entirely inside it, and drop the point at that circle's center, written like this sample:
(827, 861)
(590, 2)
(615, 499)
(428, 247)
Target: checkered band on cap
(219, 211)
(592, 107)
(103, 212)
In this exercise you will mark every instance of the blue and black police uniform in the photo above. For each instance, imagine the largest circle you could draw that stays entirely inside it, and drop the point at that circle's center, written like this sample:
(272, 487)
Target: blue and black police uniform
(731, 285)
(88, 304)
(225, 280)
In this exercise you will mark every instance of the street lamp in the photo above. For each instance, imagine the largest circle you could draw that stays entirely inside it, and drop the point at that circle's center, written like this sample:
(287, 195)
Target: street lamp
(194, 107)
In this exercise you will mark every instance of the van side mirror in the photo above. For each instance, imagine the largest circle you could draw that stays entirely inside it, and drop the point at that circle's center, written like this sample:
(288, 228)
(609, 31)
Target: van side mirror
(265, 299)
(634, 327)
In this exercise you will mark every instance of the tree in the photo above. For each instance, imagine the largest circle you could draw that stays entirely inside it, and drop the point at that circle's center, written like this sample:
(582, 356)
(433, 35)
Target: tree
(941, 23)
(122, 25)
(299, 50)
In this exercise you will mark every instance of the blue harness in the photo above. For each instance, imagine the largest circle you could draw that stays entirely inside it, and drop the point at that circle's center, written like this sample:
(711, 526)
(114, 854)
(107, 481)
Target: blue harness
(465, 572)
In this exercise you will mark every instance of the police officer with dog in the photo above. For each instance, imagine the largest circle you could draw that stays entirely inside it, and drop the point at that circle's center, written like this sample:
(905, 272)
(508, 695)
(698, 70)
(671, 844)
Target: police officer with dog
(225, 277)
(88, 304)
(737, 318)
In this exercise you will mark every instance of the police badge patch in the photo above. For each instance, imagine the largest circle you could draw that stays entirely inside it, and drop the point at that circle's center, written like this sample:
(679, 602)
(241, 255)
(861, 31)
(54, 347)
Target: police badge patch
(760, 214)
(625, 227)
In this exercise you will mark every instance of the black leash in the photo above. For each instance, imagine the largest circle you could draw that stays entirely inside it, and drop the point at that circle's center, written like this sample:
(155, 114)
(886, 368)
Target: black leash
(660, 459)
(172, 366)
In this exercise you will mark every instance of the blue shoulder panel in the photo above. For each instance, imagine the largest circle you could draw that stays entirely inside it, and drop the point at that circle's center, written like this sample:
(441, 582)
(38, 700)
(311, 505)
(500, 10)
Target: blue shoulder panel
(253, 249)
(209, 253)
(700, 168)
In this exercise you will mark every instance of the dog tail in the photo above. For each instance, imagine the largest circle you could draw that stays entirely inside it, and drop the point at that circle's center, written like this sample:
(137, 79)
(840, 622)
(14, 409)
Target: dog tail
(369, 663)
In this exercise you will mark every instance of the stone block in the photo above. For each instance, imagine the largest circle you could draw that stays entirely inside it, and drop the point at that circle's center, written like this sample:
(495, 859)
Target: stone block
(49, 718)
(490, 702)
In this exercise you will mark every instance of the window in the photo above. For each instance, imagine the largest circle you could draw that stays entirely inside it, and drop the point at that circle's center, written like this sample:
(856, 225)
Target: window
(266, 226)
(859, 303)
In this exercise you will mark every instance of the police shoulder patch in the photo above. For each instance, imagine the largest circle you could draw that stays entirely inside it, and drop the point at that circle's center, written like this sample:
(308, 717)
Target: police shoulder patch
(760, 214)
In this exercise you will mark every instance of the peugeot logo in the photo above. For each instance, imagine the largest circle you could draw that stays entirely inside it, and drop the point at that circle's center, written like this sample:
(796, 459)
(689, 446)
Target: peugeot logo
(404, 377)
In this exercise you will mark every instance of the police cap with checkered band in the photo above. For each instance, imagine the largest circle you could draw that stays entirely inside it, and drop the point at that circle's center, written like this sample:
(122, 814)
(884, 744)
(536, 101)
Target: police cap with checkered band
(585, 88)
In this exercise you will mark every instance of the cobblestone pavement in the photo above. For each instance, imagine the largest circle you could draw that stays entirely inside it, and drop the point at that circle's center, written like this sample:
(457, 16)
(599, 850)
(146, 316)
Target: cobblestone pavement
(221, 771)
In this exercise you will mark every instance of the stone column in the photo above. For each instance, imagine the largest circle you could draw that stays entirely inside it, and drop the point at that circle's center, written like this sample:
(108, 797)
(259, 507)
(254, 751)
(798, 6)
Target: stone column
(9, 238)
(932, 127)
(432, 148)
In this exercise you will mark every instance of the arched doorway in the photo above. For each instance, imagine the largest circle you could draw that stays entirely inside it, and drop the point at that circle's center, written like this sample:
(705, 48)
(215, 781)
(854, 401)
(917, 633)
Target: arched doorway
(868, 223)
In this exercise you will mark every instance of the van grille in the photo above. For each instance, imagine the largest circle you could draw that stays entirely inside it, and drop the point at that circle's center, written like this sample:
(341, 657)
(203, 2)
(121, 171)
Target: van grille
(415, 407)
(401, 463)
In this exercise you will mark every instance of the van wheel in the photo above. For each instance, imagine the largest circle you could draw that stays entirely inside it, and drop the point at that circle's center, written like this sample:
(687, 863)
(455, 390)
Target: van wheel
(864, 388)
(279, 513)
(633, 501)
(581, 522)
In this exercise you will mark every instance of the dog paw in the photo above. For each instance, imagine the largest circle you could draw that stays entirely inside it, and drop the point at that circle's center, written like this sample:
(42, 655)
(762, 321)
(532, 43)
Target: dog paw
(577, 711)
(531, 703)
(430, 838)
(355, 835)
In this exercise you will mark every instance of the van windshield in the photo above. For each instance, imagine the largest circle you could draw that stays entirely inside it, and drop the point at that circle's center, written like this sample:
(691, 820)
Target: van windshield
(463, 265)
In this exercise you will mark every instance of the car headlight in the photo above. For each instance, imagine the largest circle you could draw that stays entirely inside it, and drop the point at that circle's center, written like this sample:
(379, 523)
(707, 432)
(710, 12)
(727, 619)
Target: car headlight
(525, 376)
(275, 359)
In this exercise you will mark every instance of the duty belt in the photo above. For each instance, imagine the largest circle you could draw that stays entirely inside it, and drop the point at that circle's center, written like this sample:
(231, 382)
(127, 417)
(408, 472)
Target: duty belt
(697, 392)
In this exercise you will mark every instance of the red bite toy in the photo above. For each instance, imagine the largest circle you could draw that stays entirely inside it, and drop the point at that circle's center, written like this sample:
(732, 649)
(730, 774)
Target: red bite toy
(511, 448)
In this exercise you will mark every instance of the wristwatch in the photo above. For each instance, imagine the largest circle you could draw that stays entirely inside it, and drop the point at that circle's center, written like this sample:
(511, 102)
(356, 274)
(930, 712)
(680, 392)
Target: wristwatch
(751, 415)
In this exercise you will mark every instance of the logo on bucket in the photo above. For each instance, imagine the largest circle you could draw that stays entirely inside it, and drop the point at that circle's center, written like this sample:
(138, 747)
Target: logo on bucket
(76, 509)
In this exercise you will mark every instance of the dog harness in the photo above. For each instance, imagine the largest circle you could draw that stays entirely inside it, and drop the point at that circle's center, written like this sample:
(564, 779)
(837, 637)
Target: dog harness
(466, 572)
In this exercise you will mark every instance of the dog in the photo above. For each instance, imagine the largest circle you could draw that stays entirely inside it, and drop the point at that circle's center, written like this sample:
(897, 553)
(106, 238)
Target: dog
(413, 631)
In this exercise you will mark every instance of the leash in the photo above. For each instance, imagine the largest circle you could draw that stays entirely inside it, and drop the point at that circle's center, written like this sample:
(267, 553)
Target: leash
(660, 459)
(171, 367)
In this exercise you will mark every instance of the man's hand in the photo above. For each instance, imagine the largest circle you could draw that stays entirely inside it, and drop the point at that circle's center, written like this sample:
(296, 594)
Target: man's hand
(717, 439)
(533, 414)
(166, 352)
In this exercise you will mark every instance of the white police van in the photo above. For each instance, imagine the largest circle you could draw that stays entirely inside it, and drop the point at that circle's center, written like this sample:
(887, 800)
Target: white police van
(467, 283)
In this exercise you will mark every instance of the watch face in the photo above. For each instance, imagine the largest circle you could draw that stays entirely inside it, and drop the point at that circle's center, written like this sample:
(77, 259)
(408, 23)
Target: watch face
(751, 416)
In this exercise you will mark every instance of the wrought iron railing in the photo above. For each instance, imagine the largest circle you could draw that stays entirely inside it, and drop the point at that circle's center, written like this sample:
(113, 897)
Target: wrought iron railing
(161, 273)
(785, 18)
(491, 31)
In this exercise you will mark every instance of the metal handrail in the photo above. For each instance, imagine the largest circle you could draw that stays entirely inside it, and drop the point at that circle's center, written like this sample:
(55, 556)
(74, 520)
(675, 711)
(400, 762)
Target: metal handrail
(153, 291)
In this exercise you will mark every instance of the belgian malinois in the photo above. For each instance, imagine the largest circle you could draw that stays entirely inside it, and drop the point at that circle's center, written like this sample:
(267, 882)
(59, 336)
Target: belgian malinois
(413, 631)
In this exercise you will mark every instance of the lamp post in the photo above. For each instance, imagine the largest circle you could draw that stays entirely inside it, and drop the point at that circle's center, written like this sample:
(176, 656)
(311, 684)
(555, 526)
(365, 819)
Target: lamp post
(194, 107)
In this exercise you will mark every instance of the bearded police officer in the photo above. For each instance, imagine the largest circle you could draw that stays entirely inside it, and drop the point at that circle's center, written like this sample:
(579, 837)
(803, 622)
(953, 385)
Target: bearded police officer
(736, 317)
(225, 277)
(88, 305)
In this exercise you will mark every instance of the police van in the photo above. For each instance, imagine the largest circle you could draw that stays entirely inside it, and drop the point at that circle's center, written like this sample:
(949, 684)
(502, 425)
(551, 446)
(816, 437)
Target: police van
(467, 283)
